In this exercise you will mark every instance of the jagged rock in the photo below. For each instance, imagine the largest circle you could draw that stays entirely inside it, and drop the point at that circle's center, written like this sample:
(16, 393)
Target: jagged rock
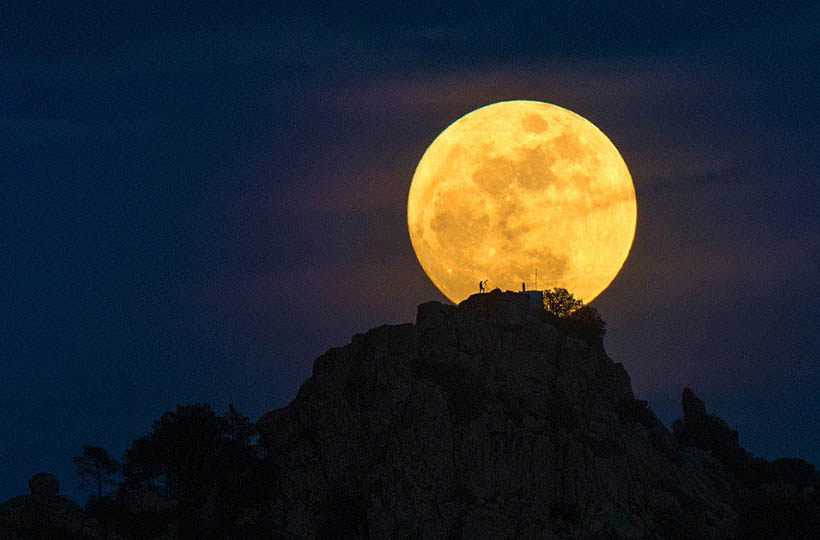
(694, 409)
(483, 421)
(699, 429)
(44, 484)
(776, 500)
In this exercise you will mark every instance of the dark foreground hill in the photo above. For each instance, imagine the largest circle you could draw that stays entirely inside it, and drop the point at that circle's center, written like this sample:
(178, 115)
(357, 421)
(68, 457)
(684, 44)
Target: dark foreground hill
(489, 420)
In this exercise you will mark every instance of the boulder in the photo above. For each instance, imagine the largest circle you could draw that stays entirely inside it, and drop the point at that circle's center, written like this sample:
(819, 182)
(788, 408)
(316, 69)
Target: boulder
(44, 514)
(44, 484)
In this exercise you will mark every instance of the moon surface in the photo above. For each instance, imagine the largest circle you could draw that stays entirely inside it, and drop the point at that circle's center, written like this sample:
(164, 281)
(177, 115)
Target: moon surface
(520, 185)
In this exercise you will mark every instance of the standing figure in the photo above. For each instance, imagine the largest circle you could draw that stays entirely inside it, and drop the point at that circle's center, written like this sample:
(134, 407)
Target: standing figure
(523, 287)
(481, 286)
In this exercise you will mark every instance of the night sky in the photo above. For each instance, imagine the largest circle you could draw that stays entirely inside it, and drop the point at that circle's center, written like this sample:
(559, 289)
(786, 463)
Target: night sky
(198, 200)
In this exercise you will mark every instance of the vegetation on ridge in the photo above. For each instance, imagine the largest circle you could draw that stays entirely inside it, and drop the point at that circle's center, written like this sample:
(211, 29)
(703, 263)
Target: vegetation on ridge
(573, 317)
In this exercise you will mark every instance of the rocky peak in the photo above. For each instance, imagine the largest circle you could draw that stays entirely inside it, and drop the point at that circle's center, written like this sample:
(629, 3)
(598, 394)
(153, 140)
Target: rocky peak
(482, 420)
(694, 409)
(709, 432)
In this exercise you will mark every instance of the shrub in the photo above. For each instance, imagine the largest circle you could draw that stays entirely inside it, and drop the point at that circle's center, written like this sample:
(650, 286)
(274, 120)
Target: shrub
(573, 317)
(560, 302)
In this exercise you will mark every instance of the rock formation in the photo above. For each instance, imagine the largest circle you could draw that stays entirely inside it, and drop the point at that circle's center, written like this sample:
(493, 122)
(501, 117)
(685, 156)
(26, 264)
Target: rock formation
(710, 433)
(44, 485)
(44, 514)
(484, 421)
(489, 420)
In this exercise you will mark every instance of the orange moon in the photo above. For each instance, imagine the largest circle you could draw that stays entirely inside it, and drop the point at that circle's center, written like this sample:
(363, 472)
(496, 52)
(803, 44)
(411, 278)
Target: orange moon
(520, 185)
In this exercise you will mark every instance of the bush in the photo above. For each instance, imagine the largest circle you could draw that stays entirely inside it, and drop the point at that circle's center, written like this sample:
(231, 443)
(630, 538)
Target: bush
(560, 302)
(573, 317)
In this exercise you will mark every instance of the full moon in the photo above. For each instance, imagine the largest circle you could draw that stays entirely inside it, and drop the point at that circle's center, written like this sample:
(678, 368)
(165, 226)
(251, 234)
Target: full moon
(517, 186)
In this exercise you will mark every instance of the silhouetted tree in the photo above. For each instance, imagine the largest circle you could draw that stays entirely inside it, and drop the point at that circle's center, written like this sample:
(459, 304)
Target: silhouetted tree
(204, 466)
(178, 454)
(560, 302)
(589, 321)
(572, 317)
(144, 467)
(95, 465)
(237, 427)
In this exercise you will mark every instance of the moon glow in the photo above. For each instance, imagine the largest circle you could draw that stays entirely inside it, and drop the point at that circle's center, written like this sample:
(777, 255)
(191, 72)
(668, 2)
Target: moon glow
(520, 185)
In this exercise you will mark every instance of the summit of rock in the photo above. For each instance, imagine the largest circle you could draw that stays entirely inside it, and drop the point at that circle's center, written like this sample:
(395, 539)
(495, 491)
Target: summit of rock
(483, 420)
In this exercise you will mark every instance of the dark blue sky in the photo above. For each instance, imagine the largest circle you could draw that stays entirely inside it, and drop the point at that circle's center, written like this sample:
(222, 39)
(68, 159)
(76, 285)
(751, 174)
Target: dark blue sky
(198, 200)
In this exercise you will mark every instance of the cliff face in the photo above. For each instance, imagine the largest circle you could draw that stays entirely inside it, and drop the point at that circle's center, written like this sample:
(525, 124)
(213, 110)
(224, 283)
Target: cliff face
(483, 421)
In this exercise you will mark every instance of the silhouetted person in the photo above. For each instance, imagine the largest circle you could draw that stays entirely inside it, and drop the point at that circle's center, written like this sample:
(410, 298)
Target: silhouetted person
(481, 286)
(523, 287)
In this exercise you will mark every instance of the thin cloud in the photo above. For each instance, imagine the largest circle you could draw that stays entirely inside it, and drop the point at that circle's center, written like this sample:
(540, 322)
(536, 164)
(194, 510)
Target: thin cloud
(28, 131)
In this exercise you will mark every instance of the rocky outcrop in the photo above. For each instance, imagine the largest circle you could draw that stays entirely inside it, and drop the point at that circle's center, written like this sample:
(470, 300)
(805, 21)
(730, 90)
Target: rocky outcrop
(710, 433)
(483, 421)
(44, 514)
(774, 500)
(44, 485)
(489, 420)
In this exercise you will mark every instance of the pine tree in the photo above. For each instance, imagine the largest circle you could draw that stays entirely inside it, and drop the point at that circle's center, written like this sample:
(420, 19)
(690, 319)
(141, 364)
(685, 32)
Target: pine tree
(95, 465)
